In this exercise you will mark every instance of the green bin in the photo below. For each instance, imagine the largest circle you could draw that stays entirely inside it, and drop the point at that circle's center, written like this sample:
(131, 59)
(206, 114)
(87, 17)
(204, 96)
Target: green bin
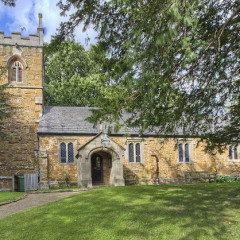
(21, 187)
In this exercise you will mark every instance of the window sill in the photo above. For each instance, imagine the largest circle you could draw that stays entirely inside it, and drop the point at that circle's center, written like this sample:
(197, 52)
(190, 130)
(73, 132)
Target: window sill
(236, 160)
(185, 163)
(135, 163)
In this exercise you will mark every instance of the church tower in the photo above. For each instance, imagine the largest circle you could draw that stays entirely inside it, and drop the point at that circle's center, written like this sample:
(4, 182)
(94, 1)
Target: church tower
(23, 57)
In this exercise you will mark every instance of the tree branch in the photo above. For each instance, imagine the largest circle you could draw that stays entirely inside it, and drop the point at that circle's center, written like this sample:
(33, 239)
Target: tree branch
(217, 38)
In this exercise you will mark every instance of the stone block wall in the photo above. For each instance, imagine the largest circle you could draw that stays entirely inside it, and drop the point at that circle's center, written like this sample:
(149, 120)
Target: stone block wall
(19, 155)
(6, 183)
(51, 170)
(160, 160)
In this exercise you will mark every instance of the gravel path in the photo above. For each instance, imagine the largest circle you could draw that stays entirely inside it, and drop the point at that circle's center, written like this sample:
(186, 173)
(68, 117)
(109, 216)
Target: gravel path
(32, 201)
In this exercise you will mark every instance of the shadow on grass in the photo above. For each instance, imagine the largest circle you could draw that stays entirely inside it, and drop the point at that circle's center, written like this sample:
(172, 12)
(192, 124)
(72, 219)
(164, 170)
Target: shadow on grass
(203, 211)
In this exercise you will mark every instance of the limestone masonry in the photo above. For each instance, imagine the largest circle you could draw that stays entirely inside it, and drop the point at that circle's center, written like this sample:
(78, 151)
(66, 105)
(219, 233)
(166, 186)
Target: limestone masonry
(59, 147)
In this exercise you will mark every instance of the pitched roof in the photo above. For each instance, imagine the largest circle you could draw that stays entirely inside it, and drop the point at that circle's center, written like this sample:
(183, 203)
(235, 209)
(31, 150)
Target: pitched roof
(72, 120)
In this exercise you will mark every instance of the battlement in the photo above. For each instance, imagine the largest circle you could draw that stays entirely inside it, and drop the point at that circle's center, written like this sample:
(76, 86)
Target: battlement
(16, 39)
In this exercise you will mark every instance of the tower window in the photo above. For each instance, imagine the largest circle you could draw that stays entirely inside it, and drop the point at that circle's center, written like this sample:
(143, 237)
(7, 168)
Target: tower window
(16, 72)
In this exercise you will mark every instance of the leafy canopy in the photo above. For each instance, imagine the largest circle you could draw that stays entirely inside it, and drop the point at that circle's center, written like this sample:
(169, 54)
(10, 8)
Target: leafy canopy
(73, 76)
(175, 63)
(10, 3)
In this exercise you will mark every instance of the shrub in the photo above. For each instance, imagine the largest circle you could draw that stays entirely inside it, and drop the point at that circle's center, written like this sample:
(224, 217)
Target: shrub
(228, 179)
(67, 179)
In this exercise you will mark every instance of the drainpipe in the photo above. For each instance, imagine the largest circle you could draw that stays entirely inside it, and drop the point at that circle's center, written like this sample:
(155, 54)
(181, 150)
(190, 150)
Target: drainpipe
(157, 171)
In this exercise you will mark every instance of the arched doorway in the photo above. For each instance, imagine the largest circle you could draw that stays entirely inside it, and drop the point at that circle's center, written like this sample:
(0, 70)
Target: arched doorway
(97, 168)
(101, 166)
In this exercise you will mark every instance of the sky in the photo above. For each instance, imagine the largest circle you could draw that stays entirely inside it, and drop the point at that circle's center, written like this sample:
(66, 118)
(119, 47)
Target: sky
(25, 14)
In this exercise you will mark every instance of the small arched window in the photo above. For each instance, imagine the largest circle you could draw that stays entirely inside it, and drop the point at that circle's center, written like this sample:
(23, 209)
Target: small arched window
(66, 151)
(70, 153)
(131, 154)
(135, 151)
(15, 71)
(185, 152)
(63, 153)
(233, 152)
(138, 157)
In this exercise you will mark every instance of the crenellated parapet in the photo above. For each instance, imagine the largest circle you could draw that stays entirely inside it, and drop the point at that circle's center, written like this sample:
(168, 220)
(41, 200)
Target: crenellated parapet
(16, 39)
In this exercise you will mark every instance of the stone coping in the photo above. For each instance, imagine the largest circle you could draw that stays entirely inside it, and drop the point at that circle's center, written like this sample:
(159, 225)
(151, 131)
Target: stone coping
(12, 201)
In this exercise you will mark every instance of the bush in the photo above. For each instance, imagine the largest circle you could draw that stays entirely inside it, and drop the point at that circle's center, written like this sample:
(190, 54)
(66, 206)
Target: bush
(227, 179)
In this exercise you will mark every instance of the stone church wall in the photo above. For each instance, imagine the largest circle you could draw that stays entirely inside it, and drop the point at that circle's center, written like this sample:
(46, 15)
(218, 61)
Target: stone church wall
(159, 164)
(18, 155)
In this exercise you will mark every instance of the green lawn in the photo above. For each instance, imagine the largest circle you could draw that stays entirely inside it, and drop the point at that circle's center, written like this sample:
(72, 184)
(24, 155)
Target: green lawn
(8, 196)
(201, 211)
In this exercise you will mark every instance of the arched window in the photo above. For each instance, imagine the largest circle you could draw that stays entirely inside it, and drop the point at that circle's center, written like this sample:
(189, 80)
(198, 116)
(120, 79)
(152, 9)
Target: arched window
(180, 152)
(63, 153)
(70, 153)
(16, 70)
(135, 151)
(66, 151)
(138, 158)
(131, 154)
(185, 152)
(233, 152)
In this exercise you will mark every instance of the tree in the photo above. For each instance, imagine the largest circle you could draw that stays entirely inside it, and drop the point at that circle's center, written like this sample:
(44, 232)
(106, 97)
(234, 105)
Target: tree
(73, 76)
(10, 3)
(176, 63)
(5, 106)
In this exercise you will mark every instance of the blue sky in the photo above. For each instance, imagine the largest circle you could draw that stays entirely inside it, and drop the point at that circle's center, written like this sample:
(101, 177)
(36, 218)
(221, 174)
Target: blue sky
(25, 14)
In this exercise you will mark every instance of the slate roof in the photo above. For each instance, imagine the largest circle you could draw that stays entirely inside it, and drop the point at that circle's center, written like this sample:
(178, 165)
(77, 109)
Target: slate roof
(71, 121)
(60, 120)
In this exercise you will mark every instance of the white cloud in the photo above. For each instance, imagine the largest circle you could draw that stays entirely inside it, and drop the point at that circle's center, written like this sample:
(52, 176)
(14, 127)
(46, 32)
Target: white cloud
(26, 12)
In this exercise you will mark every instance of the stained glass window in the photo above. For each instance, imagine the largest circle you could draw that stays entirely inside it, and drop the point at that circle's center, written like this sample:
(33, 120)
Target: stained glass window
(70, 153)
(180, 152)
(131, 154)
(138, 158)
(63, 153)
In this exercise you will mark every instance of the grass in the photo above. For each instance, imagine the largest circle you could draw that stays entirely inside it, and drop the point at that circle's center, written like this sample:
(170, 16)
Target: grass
(201, 211)
(9, 196)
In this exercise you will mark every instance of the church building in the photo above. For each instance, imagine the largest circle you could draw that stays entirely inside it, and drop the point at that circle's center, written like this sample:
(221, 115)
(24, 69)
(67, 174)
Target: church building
(50, 146)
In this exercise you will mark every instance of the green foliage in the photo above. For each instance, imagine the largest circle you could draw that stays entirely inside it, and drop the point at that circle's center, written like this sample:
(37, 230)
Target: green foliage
(5, 106)
(10, 3)
(67, 179)
(73, 76)
(175, 64)
(227, 179)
